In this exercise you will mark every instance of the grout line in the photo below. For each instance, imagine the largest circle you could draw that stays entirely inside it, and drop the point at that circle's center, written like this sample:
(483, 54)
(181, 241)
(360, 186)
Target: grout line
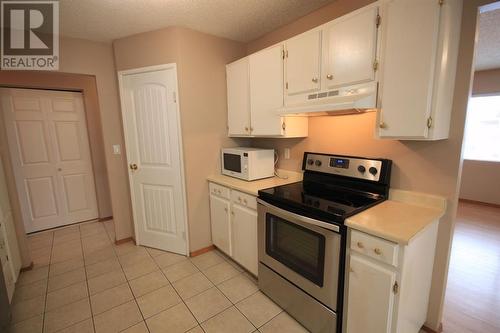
(47, 286)
(87, 282)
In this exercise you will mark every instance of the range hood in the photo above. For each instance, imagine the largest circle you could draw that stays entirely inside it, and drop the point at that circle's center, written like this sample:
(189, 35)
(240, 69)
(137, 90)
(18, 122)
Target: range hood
(333, 102)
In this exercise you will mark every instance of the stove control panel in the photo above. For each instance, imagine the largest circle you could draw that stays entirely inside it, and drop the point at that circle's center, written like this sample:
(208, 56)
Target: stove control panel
(354, 167)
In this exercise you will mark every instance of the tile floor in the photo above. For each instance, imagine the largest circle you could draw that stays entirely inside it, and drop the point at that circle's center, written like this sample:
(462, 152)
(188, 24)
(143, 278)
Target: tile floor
(82, 282)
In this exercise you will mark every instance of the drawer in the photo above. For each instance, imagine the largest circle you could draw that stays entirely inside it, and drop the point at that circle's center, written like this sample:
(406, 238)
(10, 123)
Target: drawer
(374, 247)
(219, 190)
(243, 199)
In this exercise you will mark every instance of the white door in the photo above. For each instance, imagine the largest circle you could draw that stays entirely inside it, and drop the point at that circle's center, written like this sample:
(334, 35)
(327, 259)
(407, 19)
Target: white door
(370, 296)
(266, 91)
(219, 217)
(244, 230)
(351, 45)
(153, 140)
(302, 62)
(50, 153)
(238, 104)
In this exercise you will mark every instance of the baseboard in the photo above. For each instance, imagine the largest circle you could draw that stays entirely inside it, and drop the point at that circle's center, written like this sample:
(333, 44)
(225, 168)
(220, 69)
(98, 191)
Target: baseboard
(479, 203)
(430, 330)
(104, 219)
(27, 268)
(201, 251)
(125, 240)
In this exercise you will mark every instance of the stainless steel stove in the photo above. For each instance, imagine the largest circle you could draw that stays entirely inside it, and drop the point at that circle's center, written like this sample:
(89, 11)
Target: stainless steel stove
(302, 236)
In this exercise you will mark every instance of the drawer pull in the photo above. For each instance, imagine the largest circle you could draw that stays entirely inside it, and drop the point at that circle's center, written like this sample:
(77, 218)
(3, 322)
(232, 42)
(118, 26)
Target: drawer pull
(245, 201)
(360, 245)
(225, 209)
(377, 251)
(239, 199)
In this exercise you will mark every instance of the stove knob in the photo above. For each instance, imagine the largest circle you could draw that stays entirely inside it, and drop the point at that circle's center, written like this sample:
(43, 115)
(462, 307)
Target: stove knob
(361, 169)
(373, 171)
(310, 161)
(318, 163)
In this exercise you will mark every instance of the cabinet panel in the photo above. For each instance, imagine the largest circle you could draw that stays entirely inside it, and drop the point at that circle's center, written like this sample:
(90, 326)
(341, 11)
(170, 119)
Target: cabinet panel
(351, 45)
(238, 103)
(303, 59)
(266, 90)
(221, 228)
(244, 228)
(411, 35)
(370, 297)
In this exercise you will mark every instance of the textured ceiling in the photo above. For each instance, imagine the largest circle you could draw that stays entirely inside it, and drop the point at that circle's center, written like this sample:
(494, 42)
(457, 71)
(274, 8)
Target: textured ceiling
(240, 20)
(488, 47)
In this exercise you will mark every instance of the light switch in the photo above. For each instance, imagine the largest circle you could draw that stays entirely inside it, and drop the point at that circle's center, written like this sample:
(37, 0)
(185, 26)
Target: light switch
(287, 153)
(117, 150)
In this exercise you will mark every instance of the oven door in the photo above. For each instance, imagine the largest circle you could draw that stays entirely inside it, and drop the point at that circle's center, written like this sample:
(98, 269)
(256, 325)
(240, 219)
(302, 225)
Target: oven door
(304, 251)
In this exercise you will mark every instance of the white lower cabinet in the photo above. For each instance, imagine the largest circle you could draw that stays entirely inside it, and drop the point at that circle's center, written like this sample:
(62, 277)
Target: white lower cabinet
(234, 225)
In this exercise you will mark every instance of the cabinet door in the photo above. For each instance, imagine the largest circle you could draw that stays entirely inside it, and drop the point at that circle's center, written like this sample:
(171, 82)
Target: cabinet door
(266, 90)
(221, 228)
(351, 45)
(238, 103)
(302, 62)
(370, 297)
(409, 57)
(244, 229)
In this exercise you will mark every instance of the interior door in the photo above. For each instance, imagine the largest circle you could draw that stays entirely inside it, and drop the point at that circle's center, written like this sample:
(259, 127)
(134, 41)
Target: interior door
(351, 48)
(153, 141)
(50, 152)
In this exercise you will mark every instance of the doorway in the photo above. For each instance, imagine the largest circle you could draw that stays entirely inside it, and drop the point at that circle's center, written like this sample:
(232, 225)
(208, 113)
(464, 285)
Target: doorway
(50, 153)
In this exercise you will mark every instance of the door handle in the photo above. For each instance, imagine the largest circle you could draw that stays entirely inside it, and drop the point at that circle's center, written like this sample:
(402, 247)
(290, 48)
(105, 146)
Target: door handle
(133, 166)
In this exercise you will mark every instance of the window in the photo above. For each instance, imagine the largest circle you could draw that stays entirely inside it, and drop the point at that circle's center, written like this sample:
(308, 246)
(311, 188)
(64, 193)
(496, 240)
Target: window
(482, 131)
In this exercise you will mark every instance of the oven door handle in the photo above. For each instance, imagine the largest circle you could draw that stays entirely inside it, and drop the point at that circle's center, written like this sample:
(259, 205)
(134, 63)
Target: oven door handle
(301, 218)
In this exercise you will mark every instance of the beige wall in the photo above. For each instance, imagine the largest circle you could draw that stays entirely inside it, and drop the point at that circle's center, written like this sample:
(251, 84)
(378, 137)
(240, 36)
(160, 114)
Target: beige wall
(481, 179)
(431, 167)
(201, 60)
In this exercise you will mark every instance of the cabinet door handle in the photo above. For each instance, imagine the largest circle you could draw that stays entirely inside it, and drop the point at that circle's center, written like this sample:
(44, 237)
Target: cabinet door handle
(246, 129)
(239, 199)
(232, 213)
(245, 201)
(377, 251)
(315, 80)
(225, 209)
(360, 245)
(329, 77)
(133, 166)
(382, 125)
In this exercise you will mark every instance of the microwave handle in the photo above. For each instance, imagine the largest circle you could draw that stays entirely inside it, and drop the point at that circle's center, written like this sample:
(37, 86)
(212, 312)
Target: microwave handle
(301, 218)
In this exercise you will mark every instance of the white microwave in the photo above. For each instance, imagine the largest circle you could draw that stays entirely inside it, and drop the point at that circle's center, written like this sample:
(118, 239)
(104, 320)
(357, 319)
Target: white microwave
(247, 163)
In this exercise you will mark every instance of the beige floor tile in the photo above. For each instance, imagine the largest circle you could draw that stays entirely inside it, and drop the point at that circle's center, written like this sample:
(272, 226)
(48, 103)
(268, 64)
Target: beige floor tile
(68, 246)
(157, 301)
(66, 316)
(177, 319)
(258, 308)
(89, 229)
(283, 323)
(126, 248)
(207, 260)
(106, 281)
(147, 283)
(67, 230)
(63, 254)
(66, 295)
(99, 255)
(32, 325)
(137, 328)
(220, 272)
(28, 291)
(86, 326)
(102, 267)
(134, 257)
(33, 276)
(208, 304)
(63, 238)
(66, 279)
(95, 245)
(229, 321)
(180, 270)
(110, 298)
(65, 266)
(118, 319)
(41, 241)
(40, 260)
(28, 309)
(192, 285)
(140, 268)
(238, 288)
(168, 259)
(197, 329)
(155, 252)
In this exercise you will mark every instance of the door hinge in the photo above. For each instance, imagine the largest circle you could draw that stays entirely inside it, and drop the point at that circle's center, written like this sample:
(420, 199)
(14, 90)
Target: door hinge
(378, 20)
(283, 126)
(175, 96)
(375, 65)
(283, 54)
(395, 287)
(286, 85)
(429, 122)
(286, 53)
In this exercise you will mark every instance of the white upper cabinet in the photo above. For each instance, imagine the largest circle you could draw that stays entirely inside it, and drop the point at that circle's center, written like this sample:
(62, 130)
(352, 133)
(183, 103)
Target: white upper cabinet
(303, 63)
(238, 103)
(419, 63)
(350, 48)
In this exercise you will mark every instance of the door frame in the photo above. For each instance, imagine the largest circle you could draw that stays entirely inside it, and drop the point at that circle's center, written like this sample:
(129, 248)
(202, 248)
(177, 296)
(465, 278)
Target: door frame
(139, 70)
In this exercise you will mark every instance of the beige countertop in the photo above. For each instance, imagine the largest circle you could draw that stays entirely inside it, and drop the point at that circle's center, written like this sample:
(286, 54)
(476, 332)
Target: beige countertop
(399, 221)
(253, 187)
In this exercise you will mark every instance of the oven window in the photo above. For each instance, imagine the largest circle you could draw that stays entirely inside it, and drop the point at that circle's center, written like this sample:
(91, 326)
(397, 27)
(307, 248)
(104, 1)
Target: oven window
(300, 249)
(232, 162)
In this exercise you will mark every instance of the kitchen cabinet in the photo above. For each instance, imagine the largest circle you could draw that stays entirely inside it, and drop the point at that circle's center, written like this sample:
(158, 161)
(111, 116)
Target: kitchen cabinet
(419, 58)
(244, 230)
(350, 49)
(238, 102)
(219, 218)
